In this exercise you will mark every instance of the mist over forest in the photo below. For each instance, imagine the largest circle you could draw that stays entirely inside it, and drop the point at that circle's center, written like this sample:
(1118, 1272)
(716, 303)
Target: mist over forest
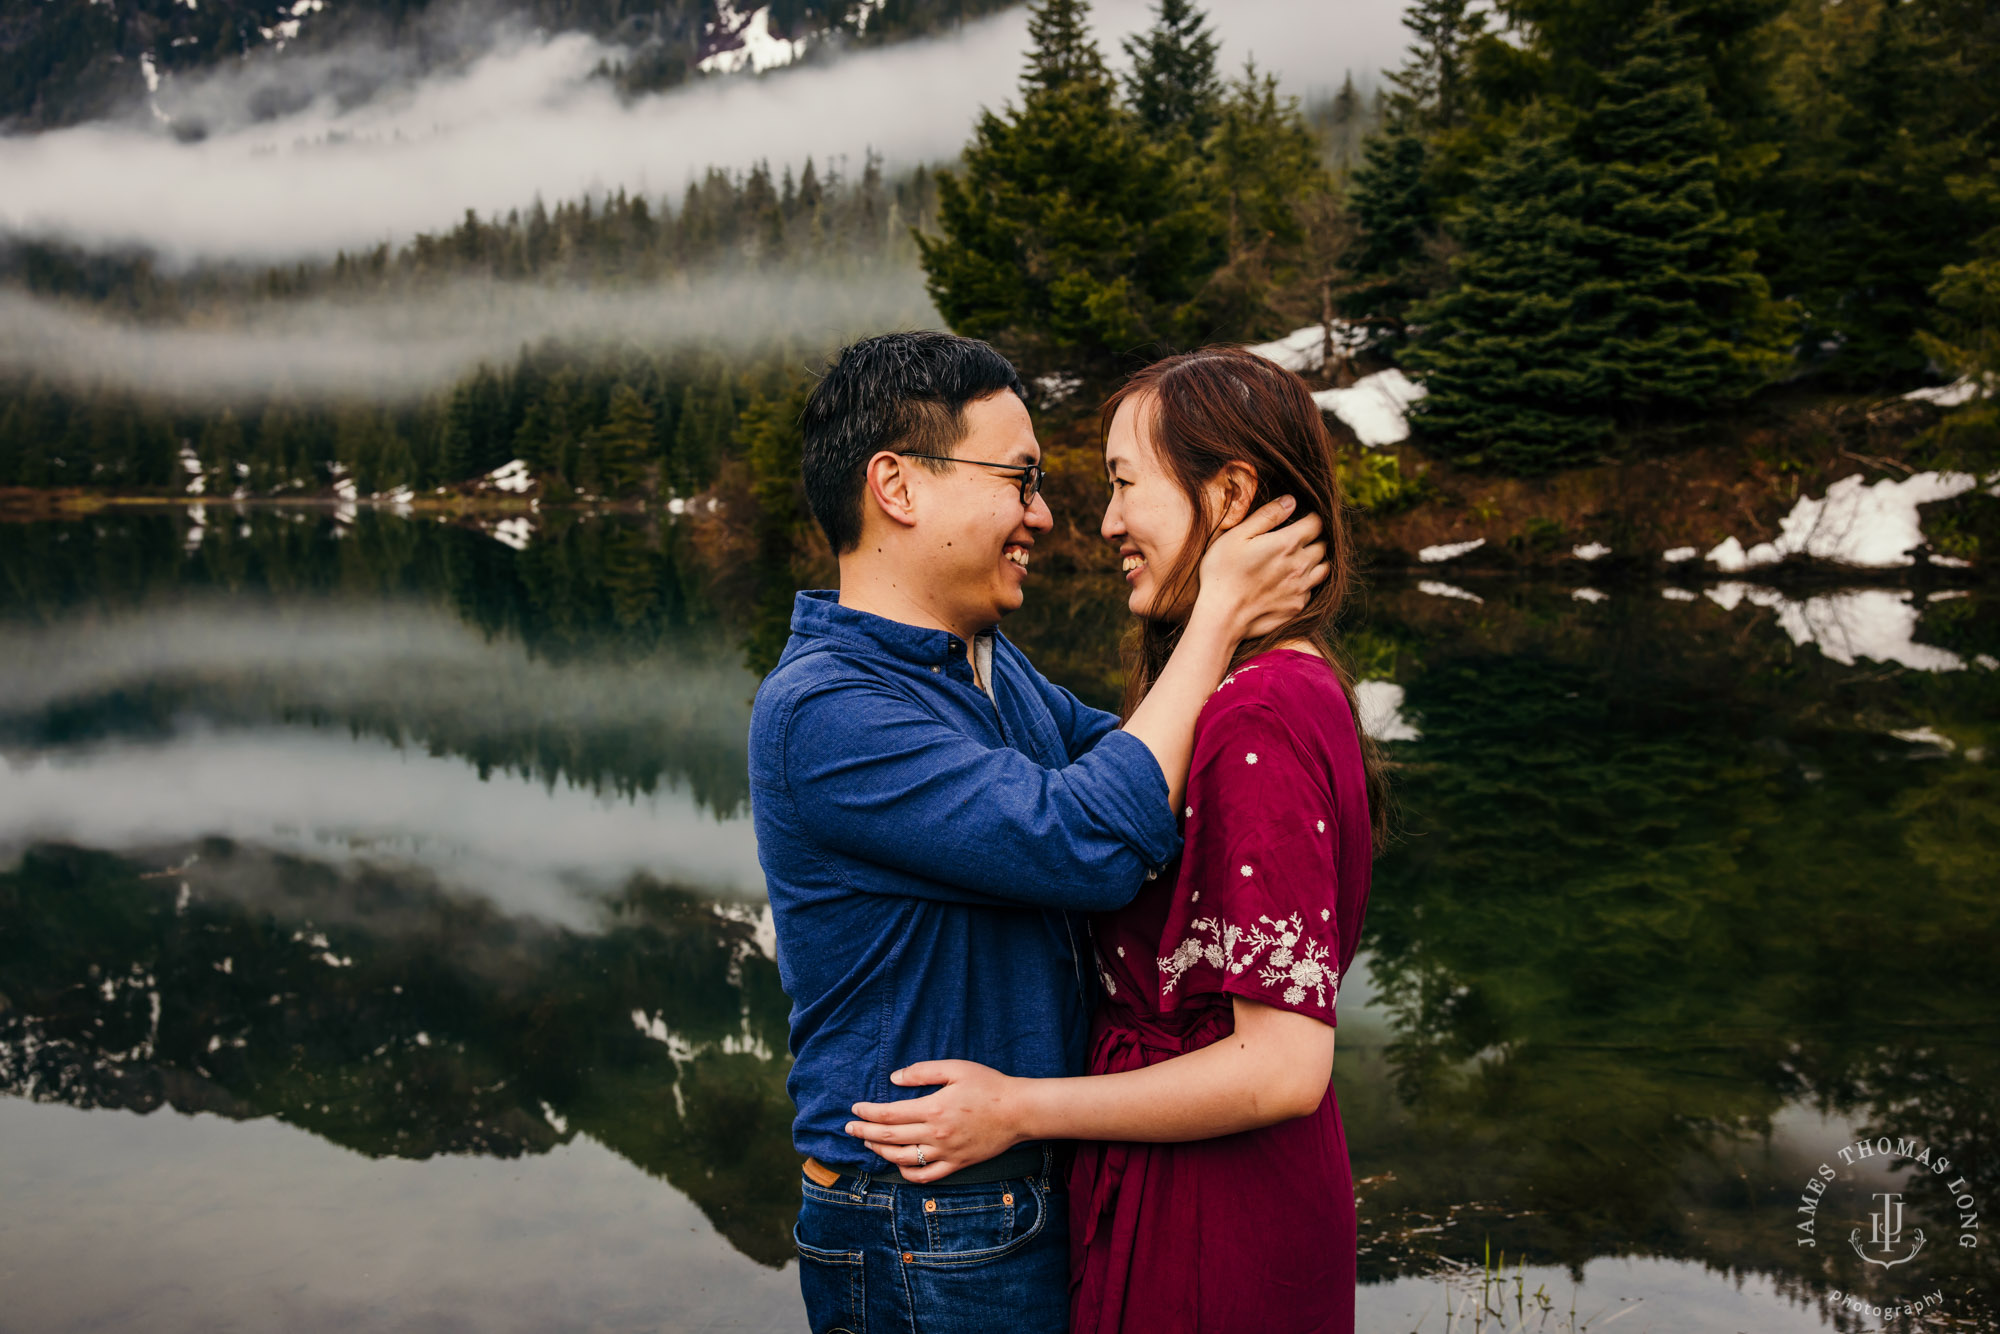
(1553, 233)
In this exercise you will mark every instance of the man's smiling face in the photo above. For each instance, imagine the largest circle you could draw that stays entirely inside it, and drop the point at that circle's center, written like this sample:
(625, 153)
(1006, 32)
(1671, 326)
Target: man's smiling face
(980, 535)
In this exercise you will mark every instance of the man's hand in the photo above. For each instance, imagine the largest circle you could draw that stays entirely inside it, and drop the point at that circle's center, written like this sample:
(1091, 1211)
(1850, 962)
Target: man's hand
(973, 1117)
(1260, 574)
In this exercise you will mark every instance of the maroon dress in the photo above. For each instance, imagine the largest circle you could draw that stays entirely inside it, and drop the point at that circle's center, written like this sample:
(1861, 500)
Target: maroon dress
(1252, 1232)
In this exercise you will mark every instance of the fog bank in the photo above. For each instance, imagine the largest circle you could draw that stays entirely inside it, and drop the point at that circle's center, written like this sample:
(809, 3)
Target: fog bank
(394, 348)
(526, 119)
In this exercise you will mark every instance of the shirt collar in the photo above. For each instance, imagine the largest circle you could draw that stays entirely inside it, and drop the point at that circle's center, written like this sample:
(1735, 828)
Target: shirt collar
(817, 613)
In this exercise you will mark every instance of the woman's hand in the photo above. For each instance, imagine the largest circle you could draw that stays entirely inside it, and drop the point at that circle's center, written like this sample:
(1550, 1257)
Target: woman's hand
(1260, 574)
(973, 1117)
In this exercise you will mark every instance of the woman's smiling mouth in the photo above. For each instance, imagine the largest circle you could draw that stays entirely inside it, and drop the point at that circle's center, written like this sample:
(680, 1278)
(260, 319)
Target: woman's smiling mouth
(1132, 564)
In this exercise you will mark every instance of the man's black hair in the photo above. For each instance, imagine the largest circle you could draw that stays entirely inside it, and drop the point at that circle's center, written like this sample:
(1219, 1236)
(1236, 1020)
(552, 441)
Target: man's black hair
(893, 391)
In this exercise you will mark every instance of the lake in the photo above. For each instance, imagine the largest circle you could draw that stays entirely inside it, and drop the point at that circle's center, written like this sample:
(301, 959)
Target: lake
(382, 942)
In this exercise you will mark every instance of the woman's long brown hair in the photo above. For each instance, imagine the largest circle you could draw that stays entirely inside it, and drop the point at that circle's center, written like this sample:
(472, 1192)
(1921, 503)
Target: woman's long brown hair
(1224, 405)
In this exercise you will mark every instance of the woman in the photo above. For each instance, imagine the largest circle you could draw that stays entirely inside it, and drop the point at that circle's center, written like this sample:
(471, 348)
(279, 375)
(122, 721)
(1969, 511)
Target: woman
(1212, 1191)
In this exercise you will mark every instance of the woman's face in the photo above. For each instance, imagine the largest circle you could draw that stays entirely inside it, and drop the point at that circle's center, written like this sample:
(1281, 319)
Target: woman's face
(1149, 517)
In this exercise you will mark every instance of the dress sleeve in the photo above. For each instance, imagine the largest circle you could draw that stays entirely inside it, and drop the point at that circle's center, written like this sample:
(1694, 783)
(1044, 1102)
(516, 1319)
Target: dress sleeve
(1253, 912)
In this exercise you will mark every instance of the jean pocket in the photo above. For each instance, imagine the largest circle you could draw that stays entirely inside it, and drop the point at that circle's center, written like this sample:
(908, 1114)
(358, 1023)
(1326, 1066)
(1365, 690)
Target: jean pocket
(968, 1227)
(832, 1283)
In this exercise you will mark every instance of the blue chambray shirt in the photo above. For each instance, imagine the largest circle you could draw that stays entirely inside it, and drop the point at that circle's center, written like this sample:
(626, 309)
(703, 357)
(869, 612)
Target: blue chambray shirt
(926, 846)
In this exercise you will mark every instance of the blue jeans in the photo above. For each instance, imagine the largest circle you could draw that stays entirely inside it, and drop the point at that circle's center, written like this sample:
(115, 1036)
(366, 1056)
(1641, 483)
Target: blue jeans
(878, 1255)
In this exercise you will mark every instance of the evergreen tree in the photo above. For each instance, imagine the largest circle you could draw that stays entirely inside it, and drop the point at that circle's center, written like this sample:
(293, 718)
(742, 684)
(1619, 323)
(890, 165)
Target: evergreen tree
(1600, 279)
(1173, 86)
(1691, 321)
(1434, 79)
(1265, 176)
(1061, 53)
(1885, 107)
(1071, 238)
(625, 442)
(221, 451)
(1511, 371)
(1966, 343)
(1396, 211)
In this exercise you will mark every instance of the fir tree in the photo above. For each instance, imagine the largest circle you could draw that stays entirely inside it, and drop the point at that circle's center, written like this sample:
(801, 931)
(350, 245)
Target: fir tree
(625, 442)
(1433, 81)
(1600, 280)
(1071, 238)
(1691, 322)
(1265, 175)
(1510, 370)
(1061, 53)
(1173, 86)
(1396, 211)
(221, 451)
(1966, 343)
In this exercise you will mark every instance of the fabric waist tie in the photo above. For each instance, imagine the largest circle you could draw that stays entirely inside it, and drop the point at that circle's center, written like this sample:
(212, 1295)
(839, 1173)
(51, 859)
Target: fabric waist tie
(1117, 1046)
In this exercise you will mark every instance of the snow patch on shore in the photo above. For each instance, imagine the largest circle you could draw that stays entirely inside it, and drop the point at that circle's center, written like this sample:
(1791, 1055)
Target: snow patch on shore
(1869, 527)
(1956, 394)
(512, 475)
(1443, 590)
(1376, 407)
(1590, 551)
(1304, 350)
(1449, 550)
(1381, 705)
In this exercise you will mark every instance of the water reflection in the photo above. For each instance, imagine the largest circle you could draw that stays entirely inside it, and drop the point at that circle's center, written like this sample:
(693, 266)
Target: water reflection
(432, 849)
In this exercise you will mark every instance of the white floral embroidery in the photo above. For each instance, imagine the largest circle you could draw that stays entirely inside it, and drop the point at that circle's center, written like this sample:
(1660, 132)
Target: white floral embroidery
(1325, 914)
(1121, 951)
(1190, 812)
(1230, 679)
(1245, 868)
(1322, 826)
(1251, 758)
(1290, 958)
(1104, 976)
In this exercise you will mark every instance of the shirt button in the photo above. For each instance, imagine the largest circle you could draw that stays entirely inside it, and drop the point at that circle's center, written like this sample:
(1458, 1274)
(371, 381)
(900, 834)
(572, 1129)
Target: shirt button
(936, 670)
(1152, 875)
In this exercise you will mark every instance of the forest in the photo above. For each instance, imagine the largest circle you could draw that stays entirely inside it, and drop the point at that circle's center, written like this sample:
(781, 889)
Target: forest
(1590, 232)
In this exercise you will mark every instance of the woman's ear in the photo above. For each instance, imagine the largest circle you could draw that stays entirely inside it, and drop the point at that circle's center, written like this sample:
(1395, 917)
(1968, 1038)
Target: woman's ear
(1231, 493)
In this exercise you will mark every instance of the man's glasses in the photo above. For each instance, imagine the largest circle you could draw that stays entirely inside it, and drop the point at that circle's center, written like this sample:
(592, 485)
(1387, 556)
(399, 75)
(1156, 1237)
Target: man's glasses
(1031, 474)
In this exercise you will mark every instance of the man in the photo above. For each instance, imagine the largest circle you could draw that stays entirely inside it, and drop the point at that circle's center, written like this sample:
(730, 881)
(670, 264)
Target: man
(933, 817)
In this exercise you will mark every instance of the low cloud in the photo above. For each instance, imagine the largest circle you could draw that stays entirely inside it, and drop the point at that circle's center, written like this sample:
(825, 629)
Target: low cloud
(526, 118)
(392, 348)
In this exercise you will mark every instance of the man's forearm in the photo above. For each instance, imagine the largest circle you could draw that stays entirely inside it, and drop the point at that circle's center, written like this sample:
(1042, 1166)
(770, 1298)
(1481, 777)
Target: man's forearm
(1165, 719)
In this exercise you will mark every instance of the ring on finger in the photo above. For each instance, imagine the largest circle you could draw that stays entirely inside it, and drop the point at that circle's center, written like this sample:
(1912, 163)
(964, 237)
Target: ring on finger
(920, 1157)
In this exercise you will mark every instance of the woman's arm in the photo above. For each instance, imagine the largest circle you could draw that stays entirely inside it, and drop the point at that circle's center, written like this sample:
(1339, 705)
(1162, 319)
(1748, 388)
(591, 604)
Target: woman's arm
(1274, 1067)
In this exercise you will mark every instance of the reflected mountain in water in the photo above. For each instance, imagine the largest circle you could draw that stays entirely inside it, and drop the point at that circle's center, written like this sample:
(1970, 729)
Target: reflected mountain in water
(395, 1019)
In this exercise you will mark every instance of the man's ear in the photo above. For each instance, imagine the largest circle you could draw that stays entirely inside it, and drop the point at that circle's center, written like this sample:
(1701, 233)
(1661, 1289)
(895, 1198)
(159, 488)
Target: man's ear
(888, 479)
(1231, 492)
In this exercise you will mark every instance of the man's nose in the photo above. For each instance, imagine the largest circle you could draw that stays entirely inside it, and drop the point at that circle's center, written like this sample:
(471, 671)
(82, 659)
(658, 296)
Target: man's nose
(1039, 517)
